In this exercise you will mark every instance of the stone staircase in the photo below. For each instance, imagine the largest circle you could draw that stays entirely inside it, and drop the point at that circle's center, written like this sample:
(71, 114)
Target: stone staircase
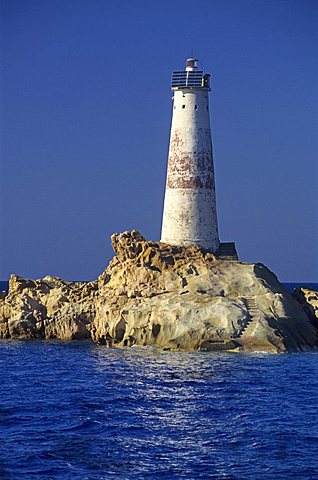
(253, 311)
(227, 251)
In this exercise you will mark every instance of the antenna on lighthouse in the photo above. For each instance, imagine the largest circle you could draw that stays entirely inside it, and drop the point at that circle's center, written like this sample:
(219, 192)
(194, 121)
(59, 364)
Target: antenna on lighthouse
(189, 216)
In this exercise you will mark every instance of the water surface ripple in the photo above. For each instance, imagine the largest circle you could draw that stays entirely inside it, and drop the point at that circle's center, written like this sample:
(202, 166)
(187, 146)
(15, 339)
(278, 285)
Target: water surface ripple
(80, 411)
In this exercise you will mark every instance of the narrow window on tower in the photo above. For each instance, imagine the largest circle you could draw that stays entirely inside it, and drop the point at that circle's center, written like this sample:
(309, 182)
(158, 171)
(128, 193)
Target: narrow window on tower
(195, 107)
(183, 106)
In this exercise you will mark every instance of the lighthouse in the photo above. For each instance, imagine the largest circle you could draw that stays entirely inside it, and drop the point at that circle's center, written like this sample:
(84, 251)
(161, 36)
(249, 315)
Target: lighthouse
(189, 214)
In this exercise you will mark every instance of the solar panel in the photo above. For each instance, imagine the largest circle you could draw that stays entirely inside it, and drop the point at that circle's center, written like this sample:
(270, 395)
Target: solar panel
(187, 79)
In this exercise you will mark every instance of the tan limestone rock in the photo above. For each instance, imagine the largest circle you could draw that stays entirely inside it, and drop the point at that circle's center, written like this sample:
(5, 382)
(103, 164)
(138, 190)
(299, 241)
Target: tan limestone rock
(308, 299)
(47, 308)
(173, 297)
(181, 297)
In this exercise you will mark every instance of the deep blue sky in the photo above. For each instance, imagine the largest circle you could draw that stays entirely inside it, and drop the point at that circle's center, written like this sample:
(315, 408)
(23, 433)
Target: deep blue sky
(86, 111)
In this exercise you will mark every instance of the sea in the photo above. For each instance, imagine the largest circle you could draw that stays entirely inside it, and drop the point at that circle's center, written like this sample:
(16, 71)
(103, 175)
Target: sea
(77, 410)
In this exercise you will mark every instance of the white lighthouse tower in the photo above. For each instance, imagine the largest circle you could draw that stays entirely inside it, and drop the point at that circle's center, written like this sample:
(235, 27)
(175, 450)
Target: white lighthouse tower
(189, 215)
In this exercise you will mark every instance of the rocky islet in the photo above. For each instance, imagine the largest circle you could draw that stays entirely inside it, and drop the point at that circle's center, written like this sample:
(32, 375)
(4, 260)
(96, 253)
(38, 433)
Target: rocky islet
(172, 297)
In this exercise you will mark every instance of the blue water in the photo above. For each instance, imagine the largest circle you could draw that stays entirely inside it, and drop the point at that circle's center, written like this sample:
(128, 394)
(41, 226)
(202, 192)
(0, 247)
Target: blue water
(80, 411)
(4, 286)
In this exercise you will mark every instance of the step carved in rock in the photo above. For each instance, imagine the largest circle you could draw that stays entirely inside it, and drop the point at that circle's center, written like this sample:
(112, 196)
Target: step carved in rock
(253, 315)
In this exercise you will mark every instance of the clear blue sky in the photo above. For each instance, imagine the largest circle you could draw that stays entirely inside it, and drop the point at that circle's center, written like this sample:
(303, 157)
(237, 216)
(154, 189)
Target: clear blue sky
(86, 111)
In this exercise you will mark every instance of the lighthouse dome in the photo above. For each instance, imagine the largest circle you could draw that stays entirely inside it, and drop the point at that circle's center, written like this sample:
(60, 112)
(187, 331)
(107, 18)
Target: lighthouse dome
(191, 64)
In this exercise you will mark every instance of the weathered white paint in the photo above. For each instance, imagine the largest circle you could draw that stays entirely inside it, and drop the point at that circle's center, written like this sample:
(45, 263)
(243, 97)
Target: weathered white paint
(189, 216)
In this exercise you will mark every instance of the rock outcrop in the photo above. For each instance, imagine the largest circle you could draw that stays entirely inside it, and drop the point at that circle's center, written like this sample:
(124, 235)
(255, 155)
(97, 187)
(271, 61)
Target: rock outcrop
(47, 308)
(174, 297)
(308, 299)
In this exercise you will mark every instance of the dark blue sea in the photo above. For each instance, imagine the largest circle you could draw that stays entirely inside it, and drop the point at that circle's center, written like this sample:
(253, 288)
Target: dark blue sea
(81, 411)
(77, 410)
